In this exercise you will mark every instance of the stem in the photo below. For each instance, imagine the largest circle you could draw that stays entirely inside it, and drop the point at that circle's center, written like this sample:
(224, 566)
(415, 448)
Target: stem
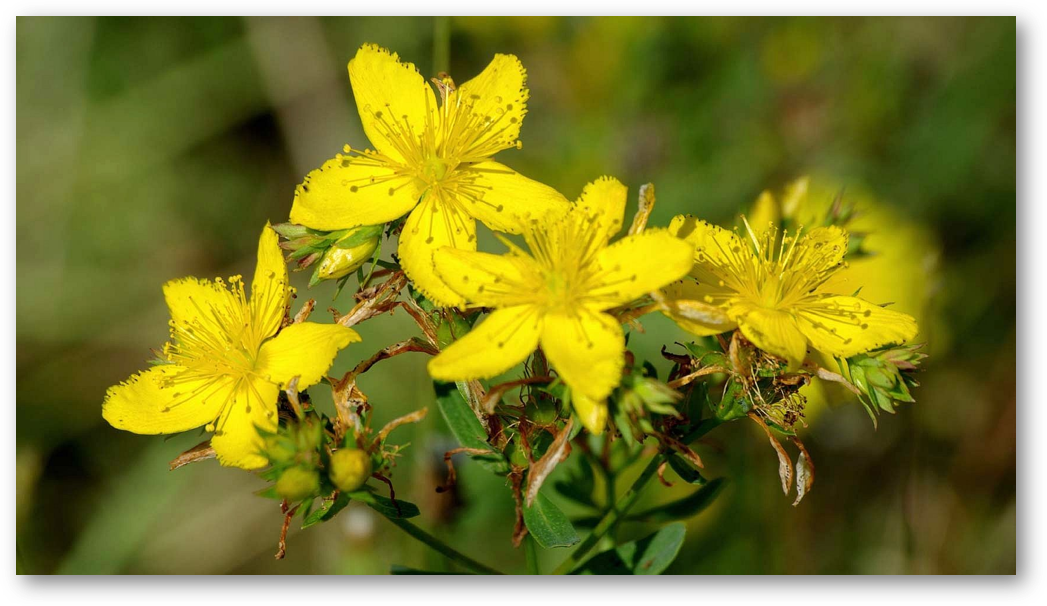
(611, 496)
(611, 518)
(441, 44)
(616, 513)
(532, 556)
(441, 547)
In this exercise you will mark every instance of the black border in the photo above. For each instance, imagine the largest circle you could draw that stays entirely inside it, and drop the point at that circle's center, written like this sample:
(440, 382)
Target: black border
(1029, 369)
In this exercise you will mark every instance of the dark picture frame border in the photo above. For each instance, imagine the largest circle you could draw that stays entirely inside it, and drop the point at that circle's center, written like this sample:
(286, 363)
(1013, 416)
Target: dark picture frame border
(1029, 359)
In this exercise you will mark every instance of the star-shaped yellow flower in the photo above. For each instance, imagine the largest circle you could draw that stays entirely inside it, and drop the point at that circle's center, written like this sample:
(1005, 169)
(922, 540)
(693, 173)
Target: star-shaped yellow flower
(227, 361)
(430, 160)
(777, 289)
(557, 296)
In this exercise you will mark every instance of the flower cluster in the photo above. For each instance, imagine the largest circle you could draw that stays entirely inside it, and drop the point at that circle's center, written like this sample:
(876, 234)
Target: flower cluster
(765, 305)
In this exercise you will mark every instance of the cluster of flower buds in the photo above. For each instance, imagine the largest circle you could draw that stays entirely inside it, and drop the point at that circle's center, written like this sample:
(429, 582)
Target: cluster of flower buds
(885, 376)
(303, 466)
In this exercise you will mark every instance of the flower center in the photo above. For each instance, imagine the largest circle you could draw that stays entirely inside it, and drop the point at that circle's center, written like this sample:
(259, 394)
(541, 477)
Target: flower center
(434, 169)
(218, 342)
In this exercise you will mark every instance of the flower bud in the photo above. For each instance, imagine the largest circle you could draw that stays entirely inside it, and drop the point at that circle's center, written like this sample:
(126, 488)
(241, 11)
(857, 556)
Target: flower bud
(309, 434)
(350, 468)
(885, 376)
(279, 449)
(347, 254)
(298, 483)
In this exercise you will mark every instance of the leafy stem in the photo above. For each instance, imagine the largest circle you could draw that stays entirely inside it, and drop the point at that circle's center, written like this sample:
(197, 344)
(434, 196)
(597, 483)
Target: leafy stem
(620, 509)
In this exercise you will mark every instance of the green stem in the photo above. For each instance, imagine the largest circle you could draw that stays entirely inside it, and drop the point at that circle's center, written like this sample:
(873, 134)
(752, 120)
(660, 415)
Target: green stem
(611, 518)
(441, 44)
(531, 553)
(616, 513)
(443, 548)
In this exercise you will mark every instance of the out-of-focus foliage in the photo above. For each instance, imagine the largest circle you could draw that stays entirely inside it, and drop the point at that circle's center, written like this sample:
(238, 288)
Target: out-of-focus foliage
(150, 149)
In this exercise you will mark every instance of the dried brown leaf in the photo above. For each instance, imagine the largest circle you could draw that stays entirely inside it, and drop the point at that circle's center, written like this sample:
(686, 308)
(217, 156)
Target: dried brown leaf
(541, 469)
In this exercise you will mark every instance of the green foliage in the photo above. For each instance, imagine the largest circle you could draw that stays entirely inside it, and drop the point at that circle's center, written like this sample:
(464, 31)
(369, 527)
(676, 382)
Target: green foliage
(548, 524)
(650, 555)
(466, 427)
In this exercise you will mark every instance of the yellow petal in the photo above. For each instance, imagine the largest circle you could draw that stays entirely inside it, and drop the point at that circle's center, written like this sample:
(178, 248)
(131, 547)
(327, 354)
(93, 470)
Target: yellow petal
(592, 413)
(393, 99)
(719, 254)
(498, 98)
(501, 340)
(771, 330)
(765, 213)
(484, 279)
(269, 292)
(236, 441)
(602, 203)
(303, 350)
(638, 264)
(821, 249)
(795, 196)
(846, 326)
(506, 201)
(192, 301)
(587, 349)
(150, 403)
(431, 226)
(351, 191)
(685, 302)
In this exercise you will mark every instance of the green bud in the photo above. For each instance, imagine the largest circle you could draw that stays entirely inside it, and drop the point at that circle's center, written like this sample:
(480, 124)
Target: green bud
(309, 435)
(347, 255)
(884, 376)
(298, 483)
(350, 468)
(880, 378)
(279, 449)
(517, 456)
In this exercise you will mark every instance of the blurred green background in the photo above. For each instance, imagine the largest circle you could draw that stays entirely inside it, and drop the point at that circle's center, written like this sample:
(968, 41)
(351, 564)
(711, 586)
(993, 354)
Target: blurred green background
(151, 149)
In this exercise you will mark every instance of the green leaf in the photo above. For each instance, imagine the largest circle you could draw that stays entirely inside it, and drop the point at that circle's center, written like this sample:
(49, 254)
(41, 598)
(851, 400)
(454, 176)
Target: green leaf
(685, 507)
(290, 231)
(548, 525)
(327, 510)
(359, 236)
(579, 483)
(466, 427)
(398, 570)
(685, 471)
(398, 510)
(649, 555)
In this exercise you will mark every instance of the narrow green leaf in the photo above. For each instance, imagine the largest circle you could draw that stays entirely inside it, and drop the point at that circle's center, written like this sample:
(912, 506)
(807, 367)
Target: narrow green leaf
(647, 556)
(398, 510)
(686, 472)
(326, 511)
(361, 235)
(466, 427)
(685, 507)
(548, 525)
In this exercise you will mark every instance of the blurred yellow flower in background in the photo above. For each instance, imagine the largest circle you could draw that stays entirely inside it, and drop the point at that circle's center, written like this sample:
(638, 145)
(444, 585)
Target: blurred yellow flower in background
(227, 360)
(777, 289)
(557, 296)
(898, 265)
(430, 160)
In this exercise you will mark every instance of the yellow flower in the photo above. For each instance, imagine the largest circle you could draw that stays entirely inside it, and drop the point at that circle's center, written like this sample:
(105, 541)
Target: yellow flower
(430, 160)
(776, 291)
(226, 361)
(557, 296)
(901, 266)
